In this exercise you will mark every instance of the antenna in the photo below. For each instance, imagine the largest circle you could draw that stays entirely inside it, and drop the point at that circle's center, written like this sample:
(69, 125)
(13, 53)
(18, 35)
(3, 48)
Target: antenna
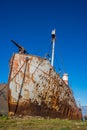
(53, 34)
(20, 48)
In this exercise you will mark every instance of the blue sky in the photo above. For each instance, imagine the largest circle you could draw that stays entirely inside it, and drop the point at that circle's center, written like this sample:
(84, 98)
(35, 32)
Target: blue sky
(29, 22)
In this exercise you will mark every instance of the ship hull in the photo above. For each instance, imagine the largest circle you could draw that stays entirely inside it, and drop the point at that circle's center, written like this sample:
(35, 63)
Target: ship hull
(35, 89)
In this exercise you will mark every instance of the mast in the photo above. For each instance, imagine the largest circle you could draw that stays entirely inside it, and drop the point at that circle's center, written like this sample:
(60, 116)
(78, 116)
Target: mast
(53, 45)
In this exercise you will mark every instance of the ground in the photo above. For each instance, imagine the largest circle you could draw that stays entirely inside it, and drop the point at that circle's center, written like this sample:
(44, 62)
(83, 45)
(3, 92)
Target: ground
(38, 123)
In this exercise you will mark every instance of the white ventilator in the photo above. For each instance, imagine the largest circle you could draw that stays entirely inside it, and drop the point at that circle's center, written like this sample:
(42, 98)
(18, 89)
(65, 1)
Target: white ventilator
(65, 78)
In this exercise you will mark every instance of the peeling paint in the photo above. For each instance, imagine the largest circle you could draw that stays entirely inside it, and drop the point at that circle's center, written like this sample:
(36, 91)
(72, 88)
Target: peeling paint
(36, 89)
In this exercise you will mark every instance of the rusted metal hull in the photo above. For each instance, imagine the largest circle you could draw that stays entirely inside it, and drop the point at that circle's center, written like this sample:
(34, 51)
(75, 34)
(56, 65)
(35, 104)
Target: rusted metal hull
(36, 89)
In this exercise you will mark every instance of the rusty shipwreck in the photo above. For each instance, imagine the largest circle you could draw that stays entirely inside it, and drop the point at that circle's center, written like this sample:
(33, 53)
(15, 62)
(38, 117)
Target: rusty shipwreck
(35, 89)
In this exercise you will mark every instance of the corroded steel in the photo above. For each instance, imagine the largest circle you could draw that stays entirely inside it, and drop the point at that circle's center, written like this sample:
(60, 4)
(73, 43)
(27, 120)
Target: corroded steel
(36, 89)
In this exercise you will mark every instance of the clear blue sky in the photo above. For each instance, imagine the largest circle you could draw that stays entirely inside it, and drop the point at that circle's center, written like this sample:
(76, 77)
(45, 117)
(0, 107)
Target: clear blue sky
(29, 22)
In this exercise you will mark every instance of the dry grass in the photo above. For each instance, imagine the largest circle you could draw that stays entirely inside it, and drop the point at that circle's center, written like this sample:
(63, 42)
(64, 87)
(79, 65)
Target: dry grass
(37, 123)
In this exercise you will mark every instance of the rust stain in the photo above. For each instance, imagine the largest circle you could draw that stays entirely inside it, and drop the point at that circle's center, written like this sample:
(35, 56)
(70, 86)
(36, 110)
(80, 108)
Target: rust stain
(37, 90)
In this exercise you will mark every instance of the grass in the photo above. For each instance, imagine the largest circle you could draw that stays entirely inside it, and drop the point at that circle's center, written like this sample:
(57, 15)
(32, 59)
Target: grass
(37, 123)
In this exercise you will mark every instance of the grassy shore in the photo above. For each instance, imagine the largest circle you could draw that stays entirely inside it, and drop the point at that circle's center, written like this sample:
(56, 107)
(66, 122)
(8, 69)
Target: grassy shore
(38, 123)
